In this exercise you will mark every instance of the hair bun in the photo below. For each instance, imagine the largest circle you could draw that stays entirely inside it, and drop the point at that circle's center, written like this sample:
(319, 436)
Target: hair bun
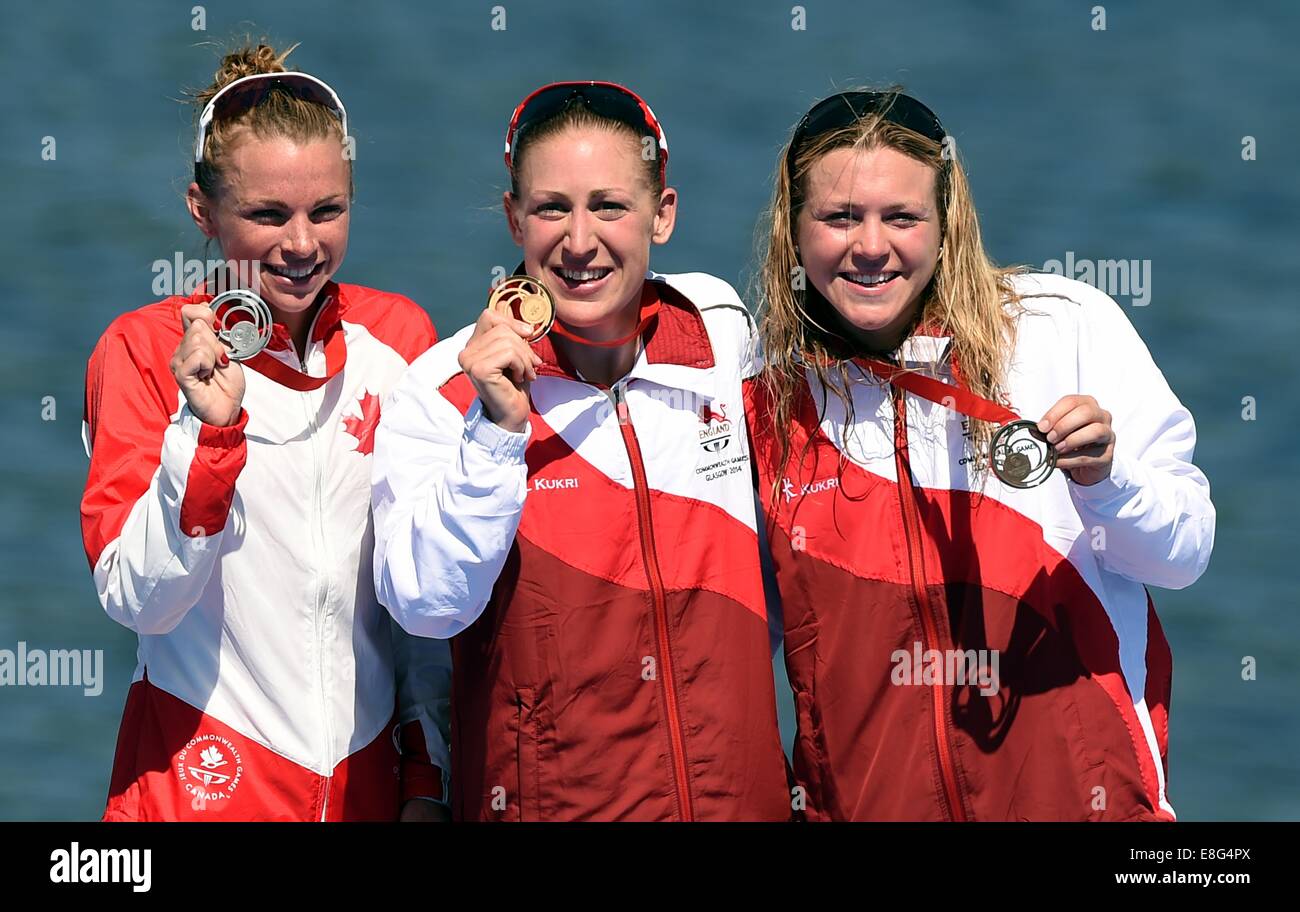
(249, 60)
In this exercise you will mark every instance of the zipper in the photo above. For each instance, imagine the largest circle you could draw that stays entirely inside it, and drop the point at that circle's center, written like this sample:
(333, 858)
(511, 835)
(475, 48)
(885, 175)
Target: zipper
(648, 555)
(929, 627)
(322, 583)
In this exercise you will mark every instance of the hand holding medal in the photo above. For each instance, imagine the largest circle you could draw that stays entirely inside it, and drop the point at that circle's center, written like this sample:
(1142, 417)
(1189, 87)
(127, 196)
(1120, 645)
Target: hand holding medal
(1080, 430)
(212, 383)
(497, 358)
(1075, 435)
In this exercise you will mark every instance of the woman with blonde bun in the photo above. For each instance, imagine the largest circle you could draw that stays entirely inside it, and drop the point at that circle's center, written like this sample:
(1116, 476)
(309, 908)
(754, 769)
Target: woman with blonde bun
(226, 516)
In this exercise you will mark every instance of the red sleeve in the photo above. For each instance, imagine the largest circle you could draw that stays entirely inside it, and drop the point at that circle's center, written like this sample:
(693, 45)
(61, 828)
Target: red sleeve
(420, 778)
(210, 484)
(130, 399)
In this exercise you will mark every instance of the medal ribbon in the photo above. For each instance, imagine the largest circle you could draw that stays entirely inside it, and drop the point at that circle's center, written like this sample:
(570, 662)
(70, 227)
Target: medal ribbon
(336, 356)
(648, 313)
(336, 353)
(957, 398)
(962, 400)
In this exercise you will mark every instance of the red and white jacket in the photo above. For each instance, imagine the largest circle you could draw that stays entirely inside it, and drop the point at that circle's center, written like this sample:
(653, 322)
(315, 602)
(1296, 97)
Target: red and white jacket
(886, 548)
(266, 683)
(599, 572)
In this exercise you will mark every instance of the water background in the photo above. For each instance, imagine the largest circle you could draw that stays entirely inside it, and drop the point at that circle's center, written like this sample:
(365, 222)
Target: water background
(1123, 143)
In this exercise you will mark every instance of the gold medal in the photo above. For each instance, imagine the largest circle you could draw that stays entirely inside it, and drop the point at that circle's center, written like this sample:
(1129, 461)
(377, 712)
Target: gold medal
(1020, 454)
(526, 299)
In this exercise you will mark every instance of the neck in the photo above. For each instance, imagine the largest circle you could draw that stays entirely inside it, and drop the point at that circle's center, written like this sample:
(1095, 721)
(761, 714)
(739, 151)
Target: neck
(298, 324)
(883, 343)
(599, 365)
(596, 363)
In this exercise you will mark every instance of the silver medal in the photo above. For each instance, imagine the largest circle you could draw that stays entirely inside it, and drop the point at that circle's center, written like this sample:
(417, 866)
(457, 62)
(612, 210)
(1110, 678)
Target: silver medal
(243, 322)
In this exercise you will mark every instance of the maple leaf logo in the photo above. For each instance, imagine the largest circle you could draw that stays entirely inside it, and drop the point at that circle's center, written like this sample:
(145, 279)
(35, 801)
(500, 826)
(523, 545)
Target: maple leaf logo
(212, 758)
(363, 427)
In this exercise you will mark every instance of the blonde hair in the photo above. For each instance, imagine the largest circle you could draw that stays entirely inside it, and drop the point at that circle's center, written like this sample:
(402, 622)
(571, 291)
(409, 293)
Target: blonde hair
(278, 113)
(969, 297)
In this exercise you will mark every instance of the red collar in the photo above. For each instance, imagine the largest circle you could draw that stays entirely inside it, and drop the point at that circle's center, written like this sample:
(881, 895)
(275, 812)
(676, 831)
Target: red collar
(675, 336)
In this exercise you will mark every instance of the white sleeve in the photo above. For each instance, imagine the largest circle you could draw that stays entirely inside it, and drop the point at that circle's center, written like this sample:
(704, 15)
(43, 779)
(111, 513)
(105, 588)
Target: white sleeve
(1155, 507)
(447, 496)
(423, 667)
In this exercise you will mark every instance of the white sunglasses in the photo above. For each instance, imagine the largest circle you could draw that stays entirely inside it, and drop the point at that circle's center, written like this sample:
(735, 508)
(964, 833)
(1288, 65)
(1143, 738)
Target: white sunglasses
(240, 94)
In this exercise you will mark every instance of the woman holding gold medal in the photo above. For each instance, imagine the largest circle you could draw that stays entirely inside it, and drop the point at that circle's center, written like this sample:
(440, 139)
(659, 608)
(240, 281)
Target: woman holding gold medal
(575, 506)
(970, 475)
(226, 514)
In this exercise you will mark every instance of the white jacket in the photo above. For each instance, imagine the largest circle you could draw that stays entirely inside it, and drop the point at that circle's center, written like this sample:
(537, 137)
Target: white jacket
(241, 556)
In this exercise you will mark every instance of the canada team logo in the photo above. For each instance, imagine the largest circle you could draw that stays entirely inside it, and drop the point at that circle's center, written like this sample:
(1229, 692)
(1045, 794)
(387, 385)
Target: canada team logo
(716, 431)
(210, 769)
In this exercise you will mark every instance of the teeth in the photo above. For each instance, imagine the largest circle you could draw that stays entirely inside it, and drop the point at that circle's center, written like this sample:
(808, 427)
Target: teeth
(584, 275)
(870, 278)
(291, 273)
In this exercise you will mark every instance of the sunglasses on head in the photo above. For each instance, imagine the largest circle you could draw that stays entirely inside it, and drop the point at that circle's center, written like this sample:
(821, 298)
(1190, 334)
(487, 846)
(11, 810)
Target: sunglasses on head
(606, 99)
(847, 108)
(247, 91)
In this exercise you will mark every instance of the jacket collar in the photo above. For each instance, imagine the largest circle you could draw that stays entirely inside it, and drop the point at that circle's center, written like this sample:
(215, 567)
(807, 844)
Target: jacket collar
(323, 324)
(279, 361)
(676, 350)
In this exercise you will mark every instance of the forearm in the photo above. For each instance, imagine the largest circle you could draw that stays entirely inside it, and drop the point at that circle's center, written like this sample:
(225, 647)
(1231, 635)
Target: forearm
(446, 532)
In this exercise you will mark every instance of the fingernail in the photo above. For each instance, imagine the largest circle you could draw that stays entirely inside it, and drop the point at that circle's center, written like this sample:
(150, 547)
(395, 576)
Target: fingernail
(225, 359)
(1051, 437)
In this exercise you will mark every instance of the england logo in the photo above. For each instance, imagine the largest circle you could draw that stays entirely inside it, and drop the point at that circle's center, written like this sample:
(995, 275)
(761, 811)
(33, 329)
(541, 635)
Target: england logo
(716, 431)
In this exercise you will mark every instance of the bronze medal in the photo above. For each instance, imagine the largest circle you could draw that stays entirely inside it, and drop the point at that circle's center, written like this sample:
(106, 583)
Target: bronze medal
(1020, 454)
(526, 299)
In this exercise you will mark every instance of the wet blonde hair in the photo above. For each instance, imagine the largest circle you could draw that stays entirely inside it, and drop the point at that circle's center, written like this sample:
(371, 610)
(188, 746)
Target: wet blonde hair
(278, 113)
(969, 297)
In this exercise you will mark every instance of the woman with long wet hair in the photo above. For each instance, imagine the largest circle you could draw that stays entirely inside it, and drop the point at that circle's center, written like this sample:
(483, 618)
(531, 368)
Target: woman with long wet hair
(970, 474)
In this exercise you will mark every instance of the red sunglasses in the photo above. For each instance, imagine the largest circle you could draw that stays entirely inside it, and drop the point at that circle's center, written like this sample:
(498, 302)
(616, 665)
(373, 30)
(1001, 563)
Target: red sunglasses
(607, 99)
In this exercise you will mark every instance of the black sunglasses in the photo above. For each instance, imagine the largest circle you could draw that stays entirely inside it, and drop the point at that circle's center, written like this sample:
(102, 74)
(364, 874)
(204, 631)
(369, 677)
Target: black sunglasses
(848, 108)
